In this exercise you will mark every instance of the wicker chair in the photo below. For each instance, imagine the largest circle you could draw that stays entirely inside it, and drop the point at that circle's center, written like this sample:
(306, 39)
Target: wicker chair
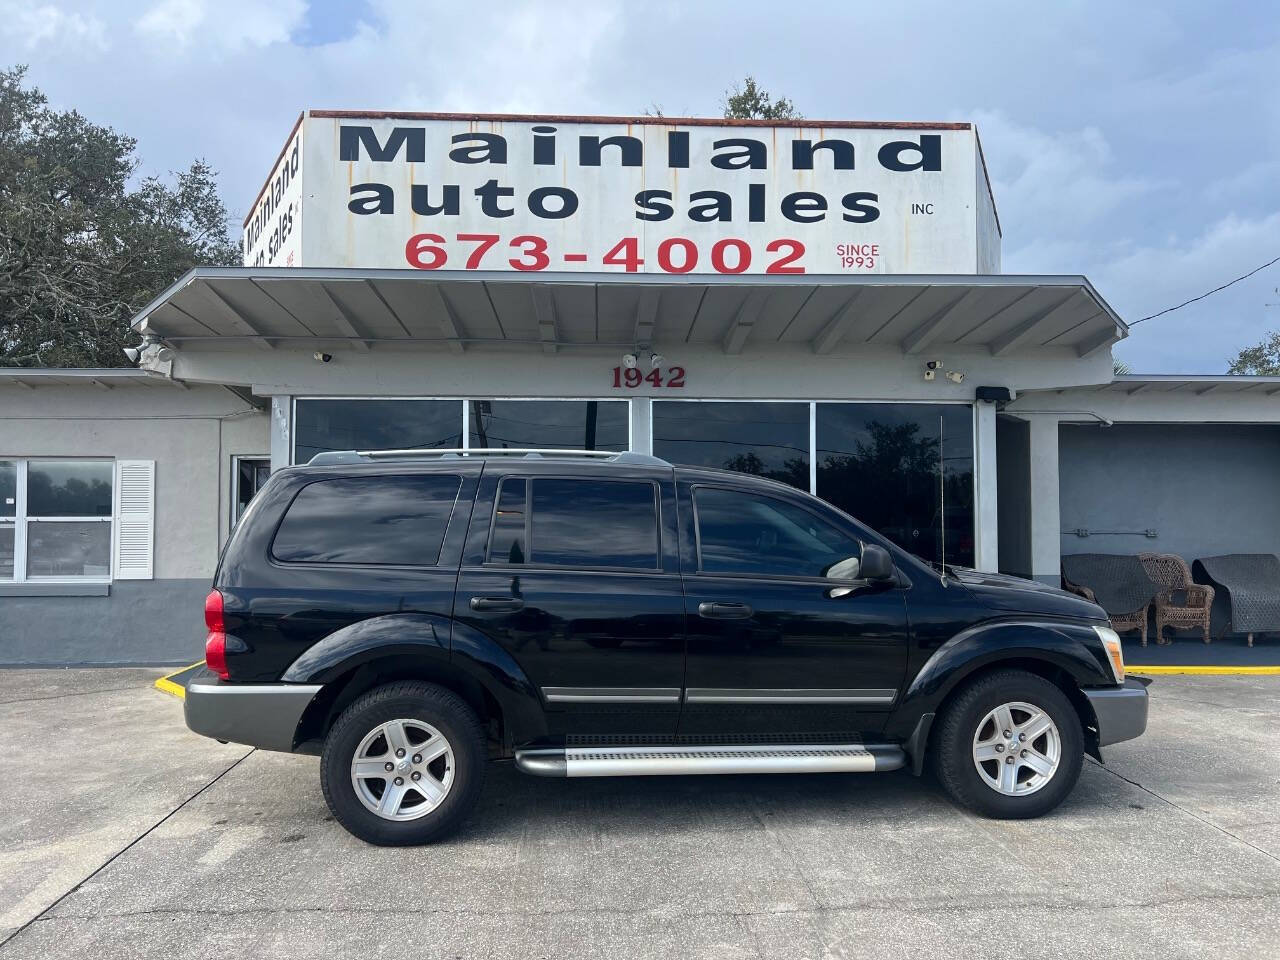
(1182, 602)
(1137, 620)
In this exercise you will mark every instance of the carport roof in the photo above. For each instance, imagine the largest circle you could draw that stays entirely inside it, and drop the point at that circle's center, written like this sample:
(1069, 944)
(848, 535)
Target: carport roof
(231, 307)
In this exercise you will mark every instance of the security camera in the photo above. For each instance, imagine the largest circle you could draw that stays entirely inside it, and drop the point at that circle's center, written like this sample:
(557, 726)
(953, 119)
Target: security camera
(629, 361)
(955, 376)
(322, 357)
(656, 359)
(933, 364)
(930, 374)
(133, 353)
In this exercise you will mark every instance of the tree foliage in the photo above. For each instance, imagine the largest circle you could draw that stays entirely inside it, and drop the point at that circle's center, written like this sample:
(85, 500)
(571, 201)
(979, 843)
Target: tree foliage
(1260, 360)
(749, 101)
(84, 243)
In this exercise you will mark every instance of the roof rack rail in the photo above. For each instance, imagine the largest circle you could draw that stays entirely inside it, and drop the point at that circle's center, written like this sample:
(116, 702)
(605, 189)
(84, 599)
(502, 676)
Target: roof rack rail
(334, 457)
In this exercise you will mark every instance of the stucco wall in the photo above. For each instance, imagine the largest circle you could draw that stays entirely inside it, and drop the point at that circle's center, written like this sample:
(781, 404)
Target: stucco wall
(1204, 488)
(192, 435)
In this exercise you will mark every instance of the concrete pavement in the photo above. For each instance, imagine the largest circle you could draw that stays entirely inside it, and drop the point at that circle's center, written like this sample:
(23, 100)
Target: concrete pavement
(202, 850)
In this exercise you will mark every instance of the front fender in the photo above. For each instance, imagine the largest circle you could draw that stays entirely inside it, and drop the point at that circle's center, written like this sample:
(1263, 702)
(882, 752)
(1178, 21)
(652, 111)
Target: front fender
(1073, 648)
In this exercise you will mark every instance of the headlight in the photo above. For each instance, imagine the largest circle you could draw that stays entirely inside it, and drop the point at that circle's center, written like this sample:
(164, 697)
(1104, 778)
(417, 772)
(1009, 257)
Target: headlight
(1111, 643)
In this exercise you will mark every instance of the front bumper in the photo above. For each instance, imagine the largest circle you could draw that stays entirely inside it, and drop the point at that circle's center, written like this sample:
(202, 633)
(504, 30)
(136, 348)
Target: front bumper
(1121, 711)
(262, 715)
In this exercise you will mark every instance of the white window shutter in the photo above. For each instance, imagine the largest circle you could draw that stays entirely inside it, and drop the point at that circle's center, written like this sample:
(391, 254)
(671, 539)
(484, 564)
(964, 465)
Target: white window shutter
(135, 519)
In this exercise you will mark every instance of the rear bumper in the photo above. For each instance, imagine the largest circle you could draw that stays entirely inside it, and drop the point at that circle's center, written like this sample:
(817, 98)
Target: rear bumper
(262, 715)
(1121, 711)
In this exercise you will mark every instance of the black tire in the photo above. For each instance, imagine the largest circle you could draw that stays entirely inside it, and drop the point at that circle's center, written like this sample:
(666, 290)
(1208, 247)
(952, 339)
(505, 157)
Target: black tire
(953, 745)
(409, 700)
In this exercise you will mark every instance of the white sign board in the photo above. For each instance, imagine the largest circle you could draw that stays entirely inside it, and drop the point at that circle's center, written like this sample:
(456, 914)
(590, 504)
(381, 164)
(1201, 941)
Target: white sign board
(432, 193)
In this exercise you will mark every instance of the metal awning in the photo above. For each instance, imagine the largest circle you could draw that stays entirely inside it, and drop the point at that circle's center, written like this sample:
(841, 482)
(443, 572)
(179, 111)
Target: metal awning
(105, 378)
(231, 307)
(1187, 384)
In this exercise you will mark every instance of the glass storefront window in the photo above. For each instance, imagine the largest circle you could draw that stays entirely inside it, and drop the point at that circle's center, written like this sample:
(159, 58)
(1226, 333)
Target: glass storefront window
(349, 424)
(7, 544)
(766, 439)
(556, 424)
(906, 470)
(8, 489)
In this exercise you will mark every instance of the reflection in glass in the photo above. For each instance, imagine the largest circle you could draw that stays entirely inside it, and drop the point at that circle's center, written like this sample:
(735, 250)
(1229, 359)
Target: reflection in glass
(508, 543)
(68, 549)
(69, 488)
(375, 425)
(6, 551)
(8, 488)
(557, 424)
(765, 439)
(594, 523)
(748, 534)
(378, 520)
(888, 464)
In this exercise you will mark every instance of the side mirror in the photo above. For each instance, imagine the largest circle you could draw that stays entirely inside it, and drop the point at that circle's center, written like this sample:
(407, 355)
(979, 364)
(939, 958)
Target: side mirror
(876, 563)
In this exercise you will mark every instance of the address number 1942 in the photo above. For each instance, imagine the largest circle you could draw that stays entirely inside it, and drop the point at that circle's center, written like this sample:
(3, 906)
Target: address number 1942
(670, 378)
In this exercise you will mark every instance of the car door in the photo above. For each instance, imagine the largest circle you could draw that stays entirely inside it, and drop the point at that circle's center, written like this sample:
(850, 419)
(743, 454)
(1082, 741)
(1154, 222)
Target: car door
(783, 638)
(577, 577)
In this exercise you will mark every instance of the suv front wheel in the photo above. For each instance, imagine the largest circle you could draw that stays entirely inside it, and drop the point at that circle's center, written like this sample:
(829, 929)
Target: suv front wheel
(1009, 746)
(403, 764)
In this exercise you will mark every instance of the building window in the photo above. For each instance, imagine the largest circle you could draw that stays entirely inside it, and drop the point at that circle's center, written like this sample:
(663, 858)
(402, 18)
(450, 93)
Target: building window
(56, 519)
(352, 424)
(766, 439)
(322, 424)
(248, 475)
(556, 424)
(904, 469)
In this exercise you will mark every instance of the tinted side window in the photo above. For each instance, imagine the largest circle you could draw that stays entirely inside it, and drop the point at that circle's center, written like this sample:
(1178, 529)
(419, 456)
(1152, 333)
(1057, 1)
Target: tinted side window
(595, 523)
(577, 523)
(746, 533)
(509, 543)
(377, 520)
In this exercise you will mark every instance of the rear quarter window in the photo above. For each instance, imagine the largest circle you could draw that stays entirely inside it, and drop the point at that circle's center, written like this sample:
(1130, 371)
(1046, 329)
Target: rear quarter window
(383, 520)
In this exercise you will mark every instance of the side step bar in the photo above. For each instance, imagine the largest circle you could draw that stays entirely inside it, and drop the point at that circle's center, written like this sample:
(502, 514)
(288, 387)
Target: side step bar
(673, 760)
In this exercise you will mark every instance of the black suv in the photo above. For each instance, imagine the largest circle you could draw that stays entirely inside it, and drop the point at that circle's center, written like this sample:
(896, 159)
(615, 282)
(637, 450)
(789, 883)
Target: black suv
(409, 615)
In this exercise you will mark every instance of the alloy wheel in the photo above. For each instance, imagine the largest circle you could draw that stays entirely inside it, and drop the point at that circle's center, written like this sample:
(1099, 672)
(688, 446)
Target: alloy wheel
(1017, 749)
(402, 769)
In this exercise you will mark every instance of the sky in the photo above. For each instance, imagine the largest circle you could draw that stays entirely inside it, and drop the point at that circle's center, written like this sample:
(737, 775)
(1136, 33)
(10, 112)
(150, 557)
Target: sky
(1136, 143)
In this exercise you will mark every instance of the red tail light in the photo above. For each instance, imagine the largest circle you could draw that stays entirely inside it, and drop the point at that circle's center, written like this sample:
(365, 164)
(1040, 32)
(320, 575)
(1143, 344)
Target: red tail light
(215, 644)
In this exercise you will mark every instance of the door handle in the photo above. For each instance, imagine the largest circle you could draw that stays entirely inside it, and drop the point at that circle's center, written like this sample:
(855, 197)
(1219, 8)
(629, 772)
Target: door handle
(714, 610)
(496, 603)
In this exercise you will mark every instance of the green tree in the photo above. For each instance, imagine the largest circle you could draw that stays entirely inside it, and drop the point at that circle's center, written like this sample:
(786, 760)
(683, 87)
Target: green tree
(1260, 360)
(83, 243)
(751, 102)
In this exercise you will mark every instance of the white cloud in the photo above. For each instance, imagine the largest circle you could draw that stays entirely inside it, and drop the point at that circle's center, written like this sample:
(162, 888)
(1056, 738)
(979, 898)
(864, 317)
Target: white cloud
(226, 25)
(45, 24)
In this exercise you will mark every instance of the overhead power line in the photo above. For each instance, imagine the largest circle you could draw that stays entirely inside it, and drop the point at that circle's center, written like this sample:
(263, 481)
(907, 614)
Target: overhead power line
(1209, 293)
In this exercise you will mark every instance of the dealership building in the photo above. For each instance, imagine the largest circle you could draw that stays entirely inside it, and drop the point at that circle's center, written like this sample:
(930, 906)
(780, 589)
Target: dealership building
(818, 303)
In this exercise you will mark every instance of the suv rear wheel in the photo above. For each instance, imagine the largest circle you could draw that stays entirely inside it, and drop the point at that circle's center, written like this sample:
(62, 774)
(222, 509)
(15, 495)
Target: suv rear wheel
(403, 764)
(1009, 746)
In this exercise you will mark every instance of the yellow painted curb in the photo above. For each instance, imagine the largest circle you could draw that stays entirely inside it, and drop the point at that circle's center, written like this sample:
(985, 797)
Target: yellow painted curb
(165, 685)
(1206, 671)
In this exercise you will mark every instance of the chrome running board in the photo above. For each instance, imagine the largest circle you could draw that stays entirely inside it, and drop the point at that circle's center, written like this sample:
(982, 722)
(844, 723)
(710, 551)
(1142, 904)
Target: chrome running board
(606, 761)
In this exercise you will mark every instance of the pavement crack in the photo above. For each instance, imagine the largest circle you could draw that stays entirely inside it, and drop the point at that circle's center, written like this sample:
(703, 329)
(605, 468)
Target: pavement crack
(78, 693)
(122, 851)
(1190, 813)
(893, 905)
